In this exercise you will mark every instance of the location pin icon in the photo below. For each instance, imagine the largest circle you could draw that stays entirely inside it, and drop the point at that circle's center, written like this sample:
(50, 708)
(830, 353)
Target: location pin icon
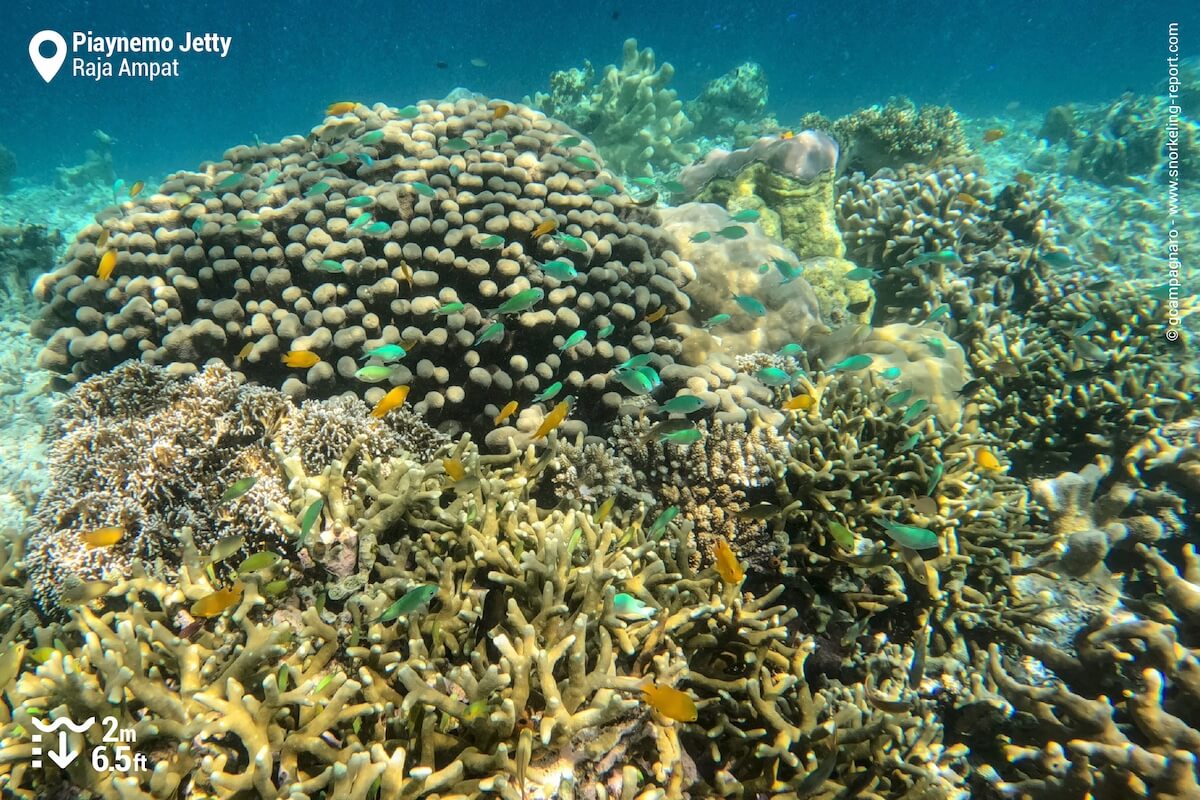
(48, 66)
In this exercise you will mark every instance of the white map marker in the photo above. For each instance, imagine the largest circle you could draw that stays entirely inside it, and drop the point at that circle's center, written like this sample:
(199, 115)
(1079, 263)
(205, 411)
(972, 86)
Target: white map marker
(48, 66)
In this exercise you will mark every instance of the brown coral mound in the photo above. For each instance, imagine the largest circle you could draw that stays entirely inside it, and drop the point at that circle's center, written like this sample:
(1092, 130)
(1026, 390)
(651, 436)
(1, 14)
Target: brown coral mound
(271, 250)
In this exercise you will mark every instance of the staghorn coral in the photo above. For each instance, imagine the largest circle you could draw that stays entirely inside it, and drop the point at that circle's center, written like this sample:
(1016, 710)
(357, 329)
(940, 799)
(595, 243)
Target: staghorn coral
(635, 120)
(238, 255)
(893, 135)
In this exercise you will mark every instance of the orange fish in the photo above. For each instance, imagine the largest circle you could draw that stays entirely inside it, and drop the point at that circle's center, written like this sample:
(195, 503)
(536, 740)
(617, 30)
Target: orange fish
(656, 314)
(300, 358)
(963, 197)
(670, 702)
(993, 135)
(393, 399)
(245, 351)
(727, 564)
(552, 420)
(801, 402)
(788, 135)
(136, 189)
(217, 602)
(1025, 179)
(454, 468)
(505, 412)
(406, 272)
(987, 459)
(102, 240)
(108, 263)
(501, 111)
(103, 537)
(337, 109)
(547, 226)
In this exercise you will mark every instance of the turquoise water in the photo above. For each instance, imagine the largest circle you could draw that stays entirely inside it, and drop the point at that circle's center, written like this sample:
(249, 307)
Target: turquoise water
(639, 401)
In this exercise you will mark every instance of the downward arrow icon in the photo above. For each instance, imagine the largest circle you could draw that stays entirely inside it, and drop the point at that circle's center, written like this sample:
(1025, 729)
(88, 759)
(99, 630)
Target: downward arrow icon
(64, 755)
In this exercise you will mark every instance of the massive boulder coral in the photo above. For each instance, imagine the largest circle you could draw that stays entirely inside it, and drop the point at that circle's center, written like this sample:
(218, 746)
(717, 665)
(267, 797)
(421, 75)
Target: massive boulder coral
(637, 123)
(372, 231)
(788, 180)
(893, 135)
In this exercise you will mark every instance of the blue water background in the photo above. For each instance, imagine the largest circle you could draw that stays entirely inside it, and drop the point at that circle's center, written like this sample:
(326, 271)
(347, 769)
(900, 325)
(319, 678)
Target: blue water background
(289, 60)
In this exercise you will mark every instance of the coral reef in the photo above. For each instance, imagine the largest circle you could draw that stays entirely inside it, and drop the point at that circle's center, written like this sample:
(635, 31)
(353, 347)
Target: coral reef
(733, 103)
(635, 121)
(268, 251)
(893, 135)
(789, 181)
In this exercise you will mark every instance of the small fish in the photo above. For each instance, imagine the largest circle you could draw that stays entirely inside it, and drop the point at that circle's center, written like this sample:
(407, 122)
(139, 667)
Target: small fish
(688, 436)
(87, 591)
(103, 537)
(360, 201)
(225, 547)
(320, 187)
(198, 225)
(1024, 179)
(627, 606)
(408, 112)
(602, 190)
(338, 109)
(859, 307)
(605, 509)
(494, 138)
(335, 159)
(647, 201)
(715, 320)
(790, 350)
(727, 563)
(365, 159)
(572, 243)
(1056, 259)
(890, 374)
(544, 227)
(329, 265)
(118, 185)
(570, 141)
(560, 270)
(986, 459)
(309, 518)
(751, 305)
(457, 144)
(910, 536)
(249, 223)
(490, 334)
(553, 419)
(914, 411)
(970, 387)
(683, 404)
(136, 189)
(218, 602)
(454, 468)
(300, 358)
(909, 443)
(412, 600)
(938, 313)
(993, 135)
(758, 511)
(373, 373)
(773, 376)
(606, 331)
(801, 402)
(674, 187)
(635, 381)
(520, 302)
(259, 562)
(450, 308)
(1089, 351)
(637, 361)
(789, 272)
(509, 409)
(41, 655)
(898, 399)
(861, 274)
(643, 181)
(238, 488)
(377, 228)
(270, 179)
(966, 199)
(935, 477)
(584, 162)
(392, 400)
(102, 239)
(732, 232)
(423, 189)
(385, 353)
(548, 393)
(669, 702)
(108, 263)
(491, 242)
(275, 588)
(700, 237)
(371, 137)
(500, 110)
(937, 347)
(852, 364)
(842, 535)
(656, 314)
(230, 181)
(659, 526)
(925, 505)
(746, 215)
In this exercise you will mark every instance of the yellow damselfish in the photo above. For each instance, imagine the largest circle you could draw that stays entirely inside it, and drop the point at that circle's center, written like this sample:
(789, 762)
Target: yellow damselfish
(728, 566)
(670, 702)
(506, 412)
(217, 602)
(108, 262)
(300, 358)
(552, 420)
(393, 399)
(103, 537)
(454, 468)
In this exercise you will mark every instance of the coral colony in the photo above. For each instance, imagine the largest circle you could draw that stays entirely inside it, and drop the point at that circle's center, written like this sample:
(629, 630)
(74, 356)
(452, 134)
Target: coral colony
(485, 448)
